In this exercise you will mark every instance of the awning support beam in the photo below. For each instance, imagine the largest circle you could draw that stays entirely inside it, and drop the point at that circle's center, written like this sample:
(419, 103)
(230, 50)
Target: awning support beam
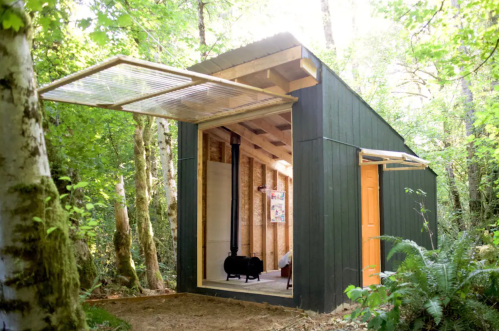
(411, 162)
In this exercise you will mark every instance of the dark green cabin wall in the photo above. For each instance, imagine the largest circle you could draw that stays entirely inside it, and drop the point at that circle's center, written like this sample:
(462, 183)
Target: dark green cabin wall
(308, 211)
(348, 124)
(187, 207)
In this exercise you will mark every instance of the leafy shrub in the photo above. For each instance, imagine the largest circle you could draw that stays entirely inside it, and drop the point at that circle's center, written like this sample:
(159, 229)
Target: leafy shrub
(443, 289)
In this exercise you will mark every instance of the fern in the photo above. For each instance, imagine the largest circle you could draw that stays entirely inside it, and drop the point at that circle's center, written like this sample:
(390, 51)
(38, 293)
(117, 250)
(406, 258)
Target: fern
(443, 289)
(434, 308)
(450, 325)
(472, 275)
(410, 248)
(445, 276)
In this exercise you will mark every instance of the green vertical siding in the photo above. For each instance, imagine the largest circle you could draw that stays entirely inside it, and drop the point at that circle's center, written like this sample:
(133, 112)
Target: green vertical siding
(349, 124)
(308, 212)
(187, 207)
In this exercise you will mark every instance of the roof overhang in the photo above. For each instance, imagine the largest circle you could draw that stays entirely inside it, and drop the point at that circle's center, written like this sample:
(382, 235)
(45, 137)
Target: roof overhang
(385, 158)
(133, 85)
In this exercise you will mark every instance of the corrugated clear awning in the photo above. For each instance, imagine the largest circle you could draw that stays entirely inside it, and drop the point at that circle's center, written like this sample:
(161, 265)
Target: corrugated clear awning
(374, 156)
(129, 84)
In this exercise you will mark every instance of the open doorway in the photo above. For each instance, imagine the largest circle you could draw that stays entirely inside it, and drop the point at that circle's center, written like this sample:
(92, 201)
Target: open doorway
(265, 203)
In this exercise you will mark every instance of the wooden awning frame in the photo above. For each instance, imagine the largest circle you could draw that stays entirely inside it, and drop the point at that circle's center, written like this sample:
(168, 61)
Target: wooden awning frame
(227, 99)
(380, 157)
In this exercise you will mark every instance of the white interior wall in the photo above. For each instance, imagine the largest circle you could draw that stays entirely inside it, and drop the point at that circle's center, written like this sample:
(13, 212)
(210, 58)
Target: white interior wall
(218, 200)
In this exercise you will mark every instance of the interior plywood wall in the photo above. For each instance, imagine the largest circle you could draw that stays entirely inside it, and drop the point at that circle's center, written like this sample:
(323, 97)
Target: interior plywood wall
(254, 209)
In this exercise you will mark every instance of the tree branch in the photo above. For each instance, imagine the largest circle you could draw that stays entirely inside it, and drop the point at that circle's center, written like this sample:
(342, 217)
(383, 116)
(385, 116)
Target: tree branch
(481, 64)
(411, 93)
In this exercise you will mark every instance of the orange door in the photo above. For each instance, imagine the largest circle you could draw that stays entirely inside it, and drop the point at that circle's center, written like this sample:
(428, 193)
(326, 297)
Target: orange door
(371, 257)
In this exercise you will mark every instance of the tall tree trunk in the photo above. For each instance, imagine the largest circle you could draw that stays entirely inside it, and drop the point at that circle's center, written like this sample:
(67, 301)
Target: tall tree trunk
(38, 277)
(355, 64)
(146, 236)
(166, 154)
(473, 171)
(202, 30)
(123, 239)
(326, 23)
(469, 120)
(454, 192)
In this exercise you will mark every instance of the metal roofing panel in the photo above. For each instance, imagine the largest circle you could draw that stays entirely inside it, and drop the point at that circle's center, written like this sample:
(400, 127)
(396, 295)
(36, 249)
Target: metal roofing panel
(250, 52)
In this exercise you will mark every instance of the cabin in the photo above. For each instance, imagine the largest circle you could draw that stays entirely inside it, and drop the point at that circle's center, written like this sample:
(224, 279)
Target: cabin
(284, 172)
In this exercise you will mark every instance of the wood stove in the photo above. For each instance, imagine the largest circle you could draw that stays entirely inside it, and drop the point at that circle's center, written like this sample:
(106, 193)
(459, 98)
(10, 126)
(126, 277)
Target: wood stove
(235, 265)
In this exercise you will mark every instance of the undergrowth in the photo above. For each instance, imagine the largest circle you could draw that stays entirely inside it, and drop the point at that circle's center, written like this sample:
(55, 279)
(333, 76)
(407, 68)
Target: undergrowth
(100, 319)
(448, 288)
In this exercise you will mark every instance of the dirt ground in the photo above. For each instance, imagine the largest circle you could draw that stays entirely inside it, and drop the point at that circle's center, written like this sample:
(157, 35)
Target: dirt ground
(195, 312)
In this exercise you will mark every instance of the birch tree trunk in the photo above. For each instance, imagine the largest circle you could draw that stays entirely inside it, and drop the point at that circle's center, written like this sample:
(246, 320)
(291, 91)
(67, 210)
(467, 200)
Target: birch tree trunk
(38, 276)
(326, 23)
(202, 30)
(166, 155)
(146, 236)
(123, 240)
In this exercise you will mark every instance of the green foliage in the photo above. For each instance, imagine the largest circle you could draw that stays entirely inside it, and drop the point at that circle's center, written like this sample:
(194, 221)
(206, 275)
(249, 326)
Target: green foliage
(444, 289)
(98, 317)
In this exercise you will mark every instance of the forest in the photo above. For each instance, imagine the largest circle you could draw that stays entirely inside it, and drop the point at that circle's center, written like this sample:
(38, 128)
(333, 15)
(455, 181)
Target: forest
(88, 196)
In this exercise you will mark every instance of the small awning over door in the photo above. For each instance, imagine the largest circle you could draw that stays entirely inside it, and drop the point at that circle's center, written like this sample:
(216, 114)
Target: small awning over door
(386, 158)
(128, 84)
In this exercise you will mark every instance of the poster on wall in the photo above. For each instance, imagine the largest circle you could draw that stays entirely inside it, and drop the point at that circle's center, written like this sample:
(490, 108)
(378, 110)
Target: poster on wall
(277, 207)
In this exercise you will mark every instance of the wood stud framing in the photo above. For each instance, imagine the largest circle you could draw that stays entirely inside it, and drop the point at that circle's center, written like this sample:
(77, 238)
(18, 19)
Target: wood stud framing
(199, 236)
(251, 204)
(264, 219)
(286, 208)
(223, 151)
(206, 158)
(276, 227)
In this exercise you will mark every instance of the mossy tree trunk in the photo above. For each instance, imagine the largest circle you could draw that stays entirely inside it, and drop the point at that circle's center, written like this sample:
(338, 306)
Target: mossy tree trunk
(123, 240)
(166, 155)
(38, 276)
(146, 236)
(147, 137)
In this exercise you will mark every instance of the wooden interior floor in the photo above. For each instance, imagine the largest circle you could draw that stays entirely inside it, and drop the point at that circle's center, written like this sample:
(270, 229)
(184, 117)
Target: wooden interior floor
(271, 283)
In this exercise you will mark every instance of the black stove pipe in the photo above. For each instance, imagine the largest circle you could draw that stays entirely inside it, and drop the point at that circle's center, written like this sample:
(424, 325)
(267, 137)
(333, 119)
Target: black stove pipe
(235, 141)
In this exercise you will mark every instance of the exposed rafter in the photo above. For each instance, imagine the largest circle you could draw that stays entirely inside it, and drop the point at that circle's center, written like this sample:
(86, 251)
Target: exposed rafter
(275, 77)
(260, 141)
(261, 64)
(242, 117)
(287, 117)
(271, 129)
(248, 149)
(308, 66)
